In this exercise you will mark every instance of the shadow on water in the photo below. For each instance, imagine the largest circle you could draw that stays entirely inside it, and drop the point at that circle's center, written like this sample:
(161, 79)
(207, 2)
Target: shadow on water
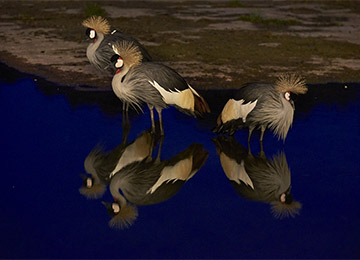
(191, 194)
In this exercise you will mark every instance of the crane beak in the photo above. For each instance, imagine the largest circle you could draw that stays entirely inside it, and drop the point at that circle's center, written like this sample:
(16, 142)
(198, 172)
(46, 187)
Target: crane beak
(86, 39)
(108, 207)
(83, 176)
(106, 204)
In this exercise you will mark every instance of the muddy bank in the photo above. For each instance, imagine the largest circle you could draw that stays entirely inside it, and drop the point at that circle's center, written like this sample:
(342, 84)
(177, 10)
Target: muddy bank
(212, 44)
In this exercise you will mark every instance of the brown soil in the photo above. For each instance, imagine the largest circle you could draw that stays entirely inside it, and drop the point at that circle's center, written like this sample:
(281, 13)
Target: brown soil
(212, 44)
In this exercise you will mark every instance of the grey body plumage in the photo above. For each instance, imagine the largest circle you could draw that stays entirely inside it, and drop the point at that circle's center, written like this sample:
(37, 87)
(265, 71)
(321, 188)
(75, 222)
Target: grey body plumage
(261, 105)
(151, 181)
(258, 178)
(101, 165)
(155, 84)
(137, 89)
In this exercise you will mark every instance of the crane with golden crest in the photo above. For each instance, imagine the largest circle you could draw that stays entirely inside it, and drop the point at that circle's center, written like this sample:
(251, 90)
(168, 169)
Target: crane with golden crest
(262, 105)
(99, 51)
(155, 84)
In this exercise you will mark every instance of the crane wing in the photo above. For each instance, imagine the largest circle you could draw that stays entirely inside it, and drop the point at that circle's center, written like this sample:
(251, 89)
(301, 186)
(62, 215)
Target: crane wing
(180, 171)
(235, 109)
(235, 171)
(136, 151)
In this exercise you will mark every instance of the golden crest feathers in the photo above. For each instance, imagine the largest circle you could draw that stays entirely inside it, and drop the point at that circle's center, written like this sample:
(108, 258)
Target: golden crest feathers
(291, 83)
(94, 192)
(125, 218)
(98, 23)
(282, 210)
(129, 52)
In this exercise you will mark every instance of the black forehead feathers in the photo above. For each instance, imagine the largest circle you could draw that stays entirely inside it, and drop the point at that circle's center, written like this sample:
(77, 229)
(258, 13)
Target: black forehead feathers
(114, 58)
(110, 210)
(87, 32)
(85, 181)
(289, 199)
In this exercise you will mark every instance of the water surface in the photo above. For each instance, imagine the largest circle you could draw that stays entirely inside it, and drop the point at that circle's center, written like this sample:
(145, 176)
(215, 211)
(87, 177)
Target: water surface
(47, 132)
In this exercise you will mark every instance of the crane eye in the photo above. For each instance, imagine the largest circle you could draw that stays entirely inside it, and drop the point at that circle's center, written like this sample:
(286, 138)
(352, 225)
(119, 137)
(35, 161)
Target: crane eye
(92, 34)
(119, 63)
(287, 96)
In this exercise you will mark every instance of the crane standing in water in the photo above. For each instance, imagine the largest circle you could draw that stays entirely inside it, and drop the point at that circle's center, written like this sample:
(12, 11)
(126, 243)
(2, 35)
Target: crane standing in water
(155, 84)
(262, 105)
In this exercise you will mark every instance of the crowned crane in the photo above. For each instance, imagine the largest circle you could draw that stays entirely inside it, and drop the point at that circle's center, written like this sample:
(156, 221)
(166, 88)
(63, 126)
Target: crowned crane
(151, 181)
(258, 178)
(262, 105)
(103, 165)
(99, 51)
(136, 82)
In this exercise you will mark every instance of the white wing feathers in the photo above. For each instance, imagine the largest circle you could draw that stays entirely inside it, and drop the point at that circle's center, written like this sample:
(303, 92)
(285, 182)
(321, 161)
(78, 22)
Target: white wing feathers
(234, 171)
(136, 151)
(237, 109)
(180, 171)
(184, 99)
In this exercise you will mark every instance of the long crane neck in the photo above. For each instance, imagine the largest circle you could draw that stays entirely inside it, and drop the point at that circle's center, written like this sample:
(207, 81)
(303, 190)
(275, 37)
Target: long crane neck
(90, 51)
(120, 73)
(114, 186)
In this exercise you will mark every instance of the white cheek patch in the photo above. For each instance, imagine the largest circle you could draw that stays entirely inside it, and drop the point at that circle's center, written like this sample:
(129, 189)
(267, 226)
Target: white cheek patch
(116, 208)
(283, 198)
(89, 183)
(92, 34)
(119, 63)
(287, 96)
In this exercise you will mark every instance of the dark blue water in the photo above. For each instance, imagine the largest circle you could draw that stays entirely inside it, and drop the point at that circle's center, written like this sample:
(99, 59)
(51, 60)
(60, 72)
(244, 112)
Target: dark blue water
(46, 134)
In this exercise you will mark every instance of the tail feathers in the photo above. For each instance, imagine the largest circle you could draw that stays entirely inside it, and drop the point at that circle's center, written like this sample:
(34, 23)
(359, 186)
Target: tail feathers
(230, 127)
(192, 150)
(199, 158)
(201, 107)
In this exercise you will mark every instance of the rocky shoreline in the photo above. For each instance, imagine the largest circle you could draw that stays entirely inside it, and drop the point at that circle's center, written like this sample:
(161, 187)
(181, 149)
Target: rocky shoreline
(213, 44)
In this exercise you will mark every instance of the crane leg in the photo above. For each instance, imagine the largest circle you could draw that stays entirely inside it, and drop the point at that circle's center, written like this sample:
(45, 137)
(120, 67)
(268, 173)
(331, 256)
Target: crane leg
(262, 153)
(152, 119)
(159, 151)
(126, 130)
(160, 119)
(262, 132)
(125, 124)
(125, 106)
(125, 110)
(250, 132)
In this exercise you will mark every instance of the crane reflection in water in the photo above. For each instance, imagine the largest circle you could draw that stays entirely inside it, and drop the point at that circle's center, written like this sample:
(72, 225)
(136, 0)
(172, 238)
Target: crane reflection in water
(101, 165)
(258, 178)
(141, 178)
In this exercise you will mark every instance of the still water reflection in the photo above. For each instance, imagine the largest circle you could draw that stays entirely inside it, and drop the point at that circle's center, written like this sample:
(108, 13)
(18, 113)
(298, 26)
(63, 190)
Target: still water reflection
(257, 177)
(48, 211)
(142, 178)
